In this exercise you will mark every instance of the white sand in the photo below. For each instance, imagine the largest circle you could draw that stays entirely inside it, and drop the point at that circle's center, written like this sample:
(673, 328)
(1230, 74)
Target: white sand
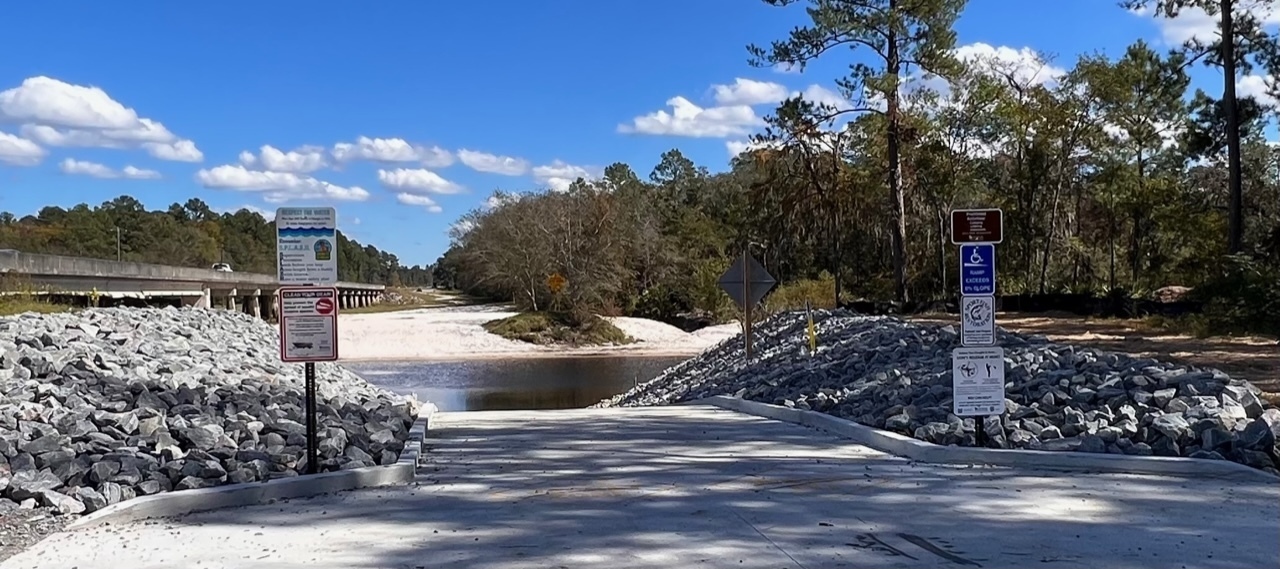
(456, 333)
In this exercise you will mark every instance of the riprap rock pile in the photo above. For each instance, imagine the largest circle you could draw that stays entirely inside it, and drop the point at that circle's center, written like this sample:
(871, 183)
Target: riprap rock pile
(891, 374)
(103, 405)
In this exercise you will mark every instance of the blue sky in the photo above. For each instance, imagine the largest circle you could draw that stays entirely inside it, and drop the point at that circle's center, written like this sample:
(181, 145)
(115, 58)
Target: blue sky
(401, 113)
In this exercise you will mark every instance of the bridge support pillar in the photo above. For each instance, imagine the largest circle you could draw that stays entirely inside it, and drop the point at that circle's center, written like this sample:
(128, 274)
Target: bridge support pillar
(255, 303)
(231, 299)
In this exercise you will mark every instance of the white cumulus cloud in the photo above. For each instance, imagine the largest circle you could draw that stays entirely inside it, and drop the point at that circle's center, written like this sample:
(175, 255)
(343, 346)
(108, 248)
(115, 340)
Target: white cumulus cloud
(276, 187)
(391, 150)
(688, 119)
(57, 113)
(83, 168)
(558, 175)
(419, 201)
(749, 92)
(1256, 86)
(419, 181)
(301, 160)
(492, 163)
(1195, 23)
(18, 151)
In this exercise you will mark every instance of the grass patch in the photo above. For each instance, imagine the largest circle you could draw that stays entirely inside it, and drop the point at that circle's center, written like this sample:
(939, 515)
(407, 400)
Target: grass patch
(17, 304)
(558, 328)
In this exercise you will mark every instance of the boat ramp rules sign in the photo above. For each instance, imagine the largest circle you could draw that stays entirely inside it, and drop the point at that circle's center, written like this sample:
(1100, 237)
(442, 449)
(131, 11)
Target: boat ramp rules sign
(978, 321)
(307, 245)
(977, 381)
(309, 324)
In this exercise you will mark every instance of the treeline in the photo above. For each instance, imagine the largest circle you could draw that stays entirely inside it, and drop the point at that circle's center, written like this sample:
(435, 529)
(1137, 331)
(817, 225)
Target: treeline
(190, 234)
(1115, 179)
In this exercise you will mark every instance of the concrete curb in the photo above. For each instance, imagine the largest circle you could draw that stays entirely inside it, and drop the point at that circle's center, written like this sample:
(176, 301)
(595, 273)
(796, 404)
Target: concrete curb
(922, 451)
(168, 504)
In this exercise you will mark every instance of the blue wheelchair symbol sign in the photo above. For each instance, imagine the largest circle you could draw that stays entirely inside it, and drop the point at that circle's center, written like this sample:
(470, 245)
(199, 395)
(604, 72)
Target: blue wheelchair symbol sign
(978, 269)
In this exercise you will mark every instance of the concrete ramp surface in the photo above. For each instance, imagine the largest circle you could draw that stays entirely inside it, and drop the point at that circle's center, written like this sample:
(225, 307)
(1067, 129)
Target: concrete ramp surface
(694, 486)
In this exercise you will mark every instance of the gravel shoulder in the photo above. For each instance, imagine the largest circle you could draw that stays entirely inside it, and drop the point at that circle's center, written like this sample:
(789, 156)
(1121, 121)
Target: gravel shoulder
(101, 406)
(1253, 358)
(456, 333)
(888, 373)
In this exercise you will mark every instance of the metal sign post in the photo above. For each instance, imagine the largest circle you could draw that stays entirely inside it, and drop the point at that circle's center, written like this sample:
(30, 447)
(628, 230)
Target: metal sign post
(978, 366)
(306, 249)
(747, 282)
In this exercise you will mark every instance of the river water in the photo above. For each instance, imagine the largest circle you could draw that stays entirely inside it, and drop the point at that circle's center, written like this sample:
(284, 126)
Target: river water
(514, 383)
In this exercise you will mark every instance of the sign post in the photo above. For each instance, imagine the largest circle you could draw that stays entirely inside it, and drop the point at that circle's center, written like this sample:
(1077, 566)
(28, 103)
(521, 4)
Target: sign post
(977, 368)
(747, 282)
(306, 247)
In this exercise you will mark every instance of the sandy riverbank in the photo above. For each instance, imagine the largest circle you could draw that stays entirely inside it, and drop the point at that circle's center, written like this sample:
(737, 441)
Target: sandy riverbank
(455, 333)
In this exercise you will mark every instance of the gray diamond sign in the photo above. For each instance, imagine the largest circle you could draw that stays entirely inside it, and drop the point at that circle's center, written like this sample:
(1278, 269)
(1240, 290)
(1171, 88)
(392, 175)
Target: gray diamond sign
(747, 281)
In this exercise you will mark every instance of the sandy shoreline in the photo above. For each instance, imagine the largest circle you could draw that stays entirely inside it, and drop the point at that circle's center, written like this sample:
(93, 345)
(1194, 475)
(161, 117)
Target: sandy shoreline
(456, 333)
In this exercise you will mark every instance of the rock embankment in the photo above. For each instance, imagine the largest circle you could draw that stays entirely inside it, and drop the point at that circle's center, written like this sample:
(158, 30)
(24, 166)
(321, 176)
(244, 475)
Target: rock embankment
(890, 374)
(104, 405)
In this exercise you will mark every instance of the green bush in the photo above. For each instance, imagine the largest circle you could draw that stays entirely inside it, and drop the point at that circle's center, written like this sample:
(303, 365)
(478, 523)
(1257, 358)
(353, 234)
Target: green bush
(818, 293)
(553, 328)
(1242, 295)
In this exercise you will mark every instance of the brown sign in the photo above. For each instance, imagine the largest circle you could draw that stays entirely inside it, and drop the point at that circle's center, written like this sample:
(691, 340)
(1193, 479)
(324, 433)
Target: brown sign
(976, 226)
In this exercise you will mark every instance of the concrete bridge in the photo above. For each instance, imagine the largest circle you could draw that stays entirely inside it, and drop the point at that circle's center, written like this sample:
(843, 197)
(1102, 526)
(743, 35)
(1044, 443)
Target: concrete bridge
(79, 277)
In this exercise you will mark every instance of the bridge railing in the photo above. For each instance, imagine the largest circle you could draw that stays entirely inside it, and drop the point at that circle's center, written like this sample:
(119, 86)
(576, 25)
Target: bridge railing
(41, 267)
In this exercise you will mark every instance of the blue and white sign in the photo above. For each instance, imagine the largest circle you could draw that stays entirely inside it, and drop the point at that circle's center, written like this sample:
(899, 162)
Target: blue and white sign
(978, 269)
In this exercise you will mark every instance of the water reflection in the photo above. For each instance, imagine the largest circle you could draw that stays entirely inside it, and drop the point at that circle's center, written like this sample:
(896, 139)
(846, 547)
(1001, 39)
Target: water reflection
(516, 383)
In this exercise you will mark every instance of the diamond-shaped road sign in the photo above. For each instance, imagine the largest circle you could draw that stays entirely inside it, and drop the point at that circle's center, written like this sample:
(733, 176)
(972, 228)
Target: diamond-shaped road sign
(746, 280)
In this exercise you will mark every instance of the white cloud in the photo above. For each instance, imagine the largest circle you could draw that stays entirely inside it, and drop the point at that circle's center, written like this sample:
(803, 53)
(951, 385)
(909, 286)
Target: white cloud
(17, 151)
(180, 151)
(418, 181)
(824, 96)
(558, 175)
(1256, 86)
(56, 113)
(1024, 64)
(277, 187)
(44, 100)
(302, 160)
(419, 201)
(391, 150)
(688, 119)
(493, 164)
(749, 92)
(1195, 23)
(83, 168)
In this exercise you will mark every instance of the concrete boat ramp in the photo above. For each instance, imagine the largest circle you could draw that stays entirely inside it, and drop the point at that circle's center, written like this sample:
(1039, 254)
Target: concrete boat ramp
(699, 486)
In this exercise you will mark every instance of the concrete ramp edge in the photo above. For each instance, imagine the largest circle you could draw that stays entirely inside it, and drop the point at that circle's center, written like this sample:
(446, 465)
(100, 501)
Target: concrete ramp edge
(169, 504)
(904, 446)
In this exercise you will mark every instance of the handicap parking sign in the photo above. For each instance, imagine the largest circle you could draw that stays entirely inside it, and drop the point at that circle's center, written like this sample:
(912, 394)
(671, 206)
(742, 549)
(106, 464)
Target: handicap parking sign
(978, 269)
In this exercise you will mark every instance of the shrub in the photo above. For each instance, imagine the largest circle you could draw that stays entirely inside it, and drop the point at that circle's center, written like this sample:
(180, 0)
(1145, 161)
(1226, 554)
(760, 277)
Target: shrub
(818, 293)
(572, 328)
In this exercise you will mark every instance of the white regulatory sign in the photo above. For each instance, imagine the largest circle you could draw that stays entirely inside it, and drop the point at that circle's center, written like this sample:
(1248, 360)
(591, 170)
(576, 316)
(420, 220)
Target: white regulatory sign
(977, 381)
(307, 245)
(308, 324)
(977, 321)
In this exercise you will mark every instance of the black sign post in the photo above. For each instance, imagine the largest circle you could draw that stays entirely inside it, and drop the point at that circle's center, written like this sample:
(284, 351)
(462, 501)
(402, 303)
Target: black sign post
(313, 446)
